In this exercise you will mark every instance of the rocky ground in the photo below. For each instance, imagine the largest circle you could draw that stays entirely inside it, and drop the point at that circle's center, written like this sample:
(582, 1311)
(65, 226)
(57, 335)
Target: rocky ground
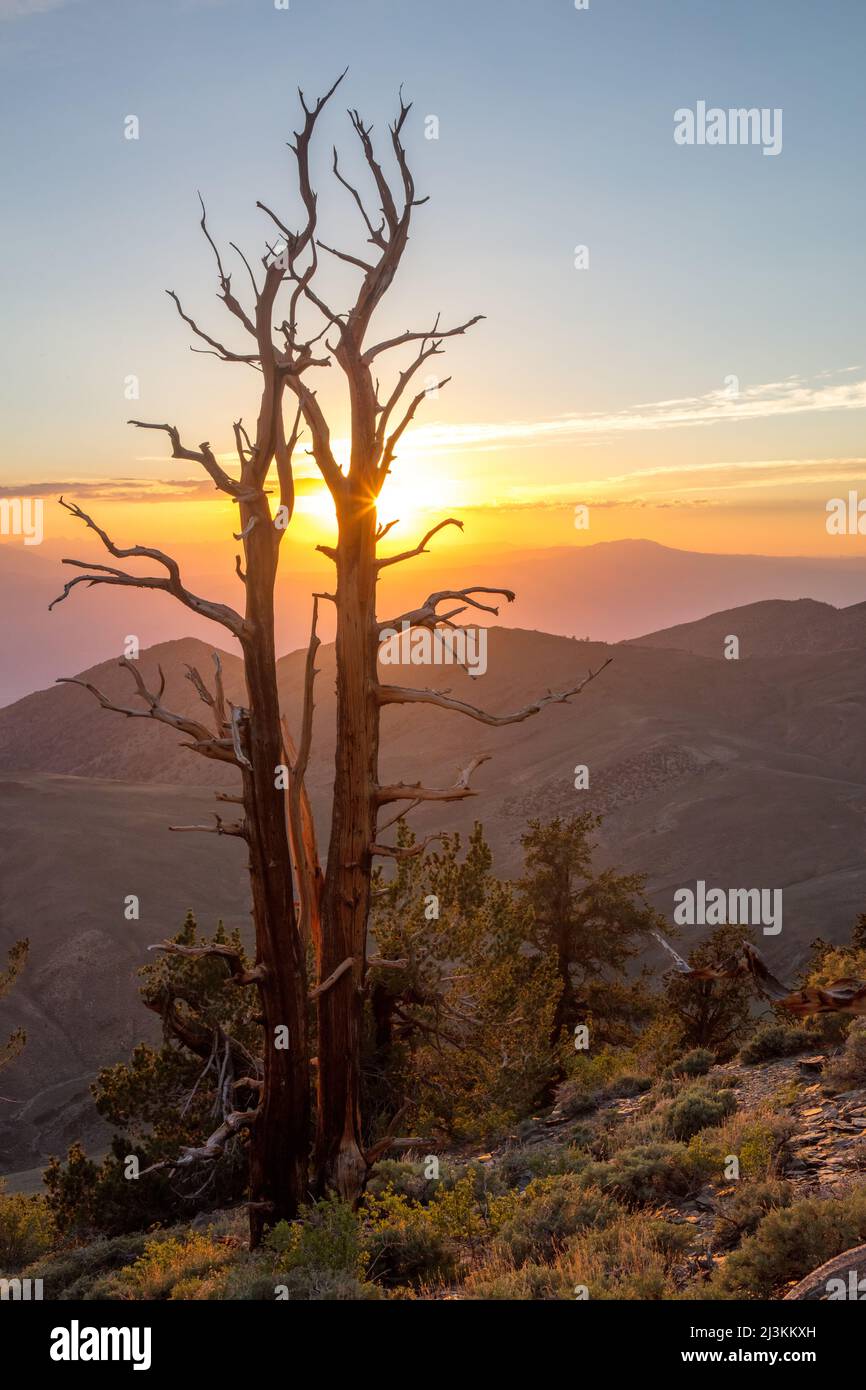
(824, 1156)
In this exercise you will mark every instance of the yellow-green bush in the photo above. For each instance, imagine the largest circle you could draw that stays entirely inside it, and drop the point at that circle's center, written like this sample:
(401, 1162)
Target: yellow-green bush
(169, 1264)
(26, 1230)
(551, 1210)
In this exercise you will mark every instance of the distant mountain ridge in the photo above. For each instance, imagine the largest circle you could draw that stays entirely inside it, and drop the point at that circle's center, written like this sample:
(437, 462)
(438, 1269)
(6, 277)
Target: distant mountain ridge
(610, 590)
(774, 627)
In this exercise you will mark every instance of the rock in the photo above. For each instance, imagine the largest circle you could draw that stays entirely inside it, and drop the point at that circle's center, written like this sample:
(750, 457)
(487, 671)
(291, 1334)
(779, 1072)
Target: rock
(811, 1064)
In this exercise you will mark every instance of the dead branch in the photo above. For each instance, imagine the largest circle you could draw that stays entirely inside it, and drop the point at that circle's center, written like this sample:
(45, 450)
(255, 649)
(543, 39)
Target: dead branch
(213, 1147)
(237, 971)
(387, 1141)
(332, 979)
(388, 453)
(406, 695)
(231, 303)
(252, 359)
(172, 584)
(427, 616)
(398, 816)
(404, 851)
(815, 1286)
(846, 995)
(204, 741)
(237, 828)
(425, 336)
(421, 547)
(203, 455)
(405, 791)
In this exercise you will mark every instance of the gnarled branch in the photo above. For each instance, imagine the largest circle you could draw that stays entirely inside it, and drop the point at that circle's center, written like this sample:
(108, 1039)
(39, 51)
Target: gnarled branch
(233, 959)
(172, 584)
(406, 695)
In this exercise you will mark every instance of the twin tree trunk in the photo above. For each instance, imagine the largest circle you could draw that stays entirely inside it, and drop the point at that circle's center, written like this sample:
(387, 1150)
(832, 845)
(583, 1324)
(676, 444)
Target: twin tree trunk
(340, 1164)
(278, 1146)
(279, 1128)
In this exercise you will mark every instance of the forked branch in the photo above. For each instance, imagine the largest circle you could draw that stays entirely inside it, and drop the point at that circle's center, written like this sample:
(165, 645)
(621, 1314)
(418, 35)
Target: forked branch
(413, 791)
(428, 616)
(421, 547)
(204, 741)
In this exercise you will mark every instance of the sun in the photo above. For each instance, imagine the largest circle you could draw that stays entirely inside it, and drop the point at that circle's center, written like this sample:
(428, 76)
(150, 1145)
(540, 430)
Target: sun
(415, 490)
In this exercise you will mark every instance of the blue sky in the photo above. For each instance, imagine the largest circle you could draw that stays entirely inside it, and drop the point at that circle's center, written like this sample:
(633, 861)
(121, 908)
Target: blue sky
(555, 129)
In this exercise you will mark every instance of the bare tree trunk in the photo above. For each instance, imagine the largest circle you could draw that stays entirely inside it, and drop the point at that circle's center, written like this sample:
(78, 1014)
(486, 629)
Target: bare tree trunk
(340, 1163)
(279, 1136)
(253, 739)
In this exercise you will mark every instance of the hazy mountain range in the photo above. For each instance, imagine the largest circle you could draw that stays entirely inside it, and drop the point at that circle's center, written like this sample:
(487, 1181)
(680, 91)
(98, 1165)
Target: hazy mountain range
(748, 773)
(609, 592)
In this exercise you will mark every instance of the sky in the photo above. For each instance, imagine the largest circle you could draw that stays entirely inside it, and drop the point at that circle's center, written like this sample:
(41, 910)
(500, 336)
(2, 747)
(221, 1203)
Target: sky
(696, 376)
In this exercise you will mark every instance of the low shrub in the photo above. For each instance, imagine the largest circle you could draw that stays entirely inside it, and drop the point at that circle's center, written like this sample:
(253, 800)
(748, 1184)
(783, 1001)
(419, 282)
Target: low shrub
(849, 1069)
(327, 1236)
(73, 1274)
(405, 1178)
(694, 1063)
(627, 1258)
(647, 1173)
(520, 1164)
(772, 1040)
(740, 1213)
(696, 1108)
(168, 1265)
(788, 1244)
(606, 1075)
(550, 1210)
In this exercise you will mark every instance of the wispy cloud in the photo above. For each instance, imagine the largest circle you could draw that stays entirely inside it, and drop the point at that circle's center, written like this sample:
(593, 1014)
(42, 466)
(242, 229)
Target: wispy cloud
(112, 489)
(692, 485)
(769, 400)
(133, 489)
(739, 475)
(20, 9)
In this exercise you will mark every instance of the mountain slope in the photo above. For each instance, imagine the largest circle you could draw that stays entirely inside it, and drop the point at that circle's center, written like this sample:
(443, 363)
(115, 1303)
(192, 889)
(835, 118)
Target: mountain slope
(746, 773)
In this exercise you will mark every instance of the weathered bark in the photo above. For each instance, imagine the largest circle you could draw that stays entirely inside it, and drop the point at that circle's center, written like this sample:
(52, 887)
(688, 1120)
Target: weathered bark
(339, 1155)
(279, 1136)
(251, 737)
